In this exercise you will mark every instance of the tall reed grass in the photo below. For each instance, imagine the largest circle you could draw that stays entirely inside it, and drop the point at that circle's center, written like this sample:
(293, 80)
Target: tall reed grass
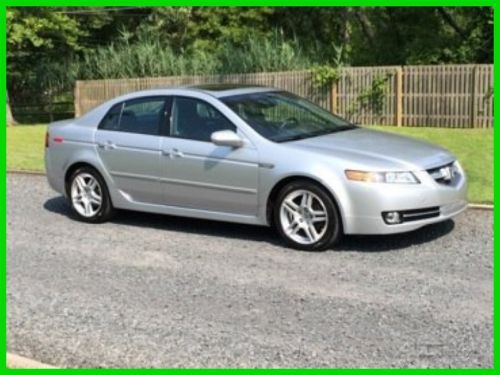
(149, 56)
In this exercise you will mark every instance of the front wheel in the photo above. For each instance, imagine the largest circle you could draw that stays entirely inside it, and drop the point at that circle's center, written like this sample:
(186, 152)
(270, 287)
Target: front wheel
(306, 217)
(89, 196)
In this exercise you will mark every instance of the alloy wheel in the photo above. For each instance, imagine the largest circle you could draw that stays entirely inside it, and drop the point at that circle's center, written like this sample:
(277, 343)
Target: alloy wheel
(303, 217)
(86, 195)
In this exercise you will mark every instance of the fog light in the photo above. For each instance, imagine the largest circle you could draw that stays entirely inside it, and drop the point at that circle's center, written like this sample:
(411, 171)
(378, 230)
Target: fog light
(392, 217)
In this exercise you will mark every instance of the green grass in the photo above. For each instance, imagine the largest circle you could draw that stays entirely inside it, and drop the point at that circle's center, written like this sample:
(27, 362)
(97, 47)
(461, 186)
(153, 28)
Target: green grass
(473, 147)
(25, 147)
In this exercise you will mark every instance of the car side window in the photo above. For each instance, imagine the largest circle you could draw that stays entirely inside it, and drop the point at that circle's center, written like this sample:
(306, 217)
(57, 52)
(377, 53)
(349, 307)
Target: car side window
(142, 116)
(196, 119)
(111, 120)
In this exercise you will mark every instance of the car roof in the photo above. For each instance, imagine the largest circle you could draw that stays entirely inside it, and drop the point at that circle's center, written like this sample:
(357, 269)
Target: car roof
(214, 90)
(220, 90)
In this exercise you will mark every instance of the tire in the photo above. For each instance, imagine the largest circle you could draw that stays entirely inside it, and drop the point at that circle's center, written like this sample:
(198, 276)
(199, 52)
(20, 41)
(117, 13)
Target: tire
(306, 217)
(89, 196)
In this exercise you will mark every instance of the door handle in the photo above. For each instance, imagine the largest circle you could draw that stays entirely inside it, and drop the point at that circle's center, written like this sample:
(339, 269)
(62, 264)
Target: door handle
(176, 153)
(106, 145)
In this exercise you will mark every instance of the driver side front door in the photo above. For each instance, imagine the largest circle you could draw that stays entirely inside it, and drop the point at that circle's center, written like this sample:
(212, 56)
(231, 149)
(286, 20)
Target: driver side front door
(201, 175)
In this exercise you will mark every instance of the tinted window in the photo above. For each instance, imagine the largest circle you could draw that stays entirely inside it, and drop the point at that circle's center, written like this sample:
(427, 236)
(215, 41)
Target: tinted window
(143, 116)
(280, 116)
(196, 119)
(112, 119)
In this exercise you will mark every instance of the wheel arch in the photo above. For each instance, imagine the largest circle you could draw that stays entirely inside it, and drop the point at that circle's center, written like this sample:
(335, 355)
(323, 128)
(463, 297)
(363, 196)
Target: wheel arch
(73, 167)
(271, 199)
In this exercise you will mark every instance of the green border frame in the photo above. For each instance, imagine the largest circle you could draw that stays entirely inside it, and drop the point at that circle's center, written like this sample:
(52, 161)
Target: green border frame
(3, 186)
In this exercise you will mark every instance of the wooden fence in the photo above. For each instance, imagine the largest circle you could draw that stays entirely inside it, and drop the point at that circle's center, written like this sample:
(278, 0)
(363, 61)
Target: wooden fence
(452, 96)
(35, 113)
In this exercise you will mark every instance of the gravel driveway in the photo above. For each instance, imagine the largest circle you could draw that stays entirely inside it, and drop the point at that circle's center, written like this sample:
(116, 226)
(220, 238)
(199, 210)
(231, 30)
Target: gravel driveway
(157, 291)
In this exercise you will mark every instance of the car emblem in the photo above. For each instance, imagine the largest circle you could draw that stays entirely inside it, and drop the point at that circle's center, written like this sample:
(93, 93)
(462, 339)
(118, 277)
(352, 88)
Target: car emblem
(446, 173)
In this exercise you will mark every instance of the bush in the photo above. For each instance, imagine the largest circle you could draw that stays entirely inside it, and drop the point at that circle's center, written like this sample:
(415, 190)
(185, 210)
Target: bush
(151, 57)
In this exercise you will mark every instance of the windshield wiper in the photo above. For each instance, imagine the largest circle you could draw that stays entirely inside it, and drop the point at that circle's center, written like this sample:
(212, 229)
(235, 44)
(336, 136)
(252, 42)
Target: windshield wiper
(296, 137)
(317, 134)
(345, 127)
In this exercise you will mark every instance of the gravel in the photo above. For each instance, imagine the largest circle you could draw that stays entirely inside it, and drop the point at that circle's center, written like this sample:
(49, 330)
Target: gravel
(158, 291)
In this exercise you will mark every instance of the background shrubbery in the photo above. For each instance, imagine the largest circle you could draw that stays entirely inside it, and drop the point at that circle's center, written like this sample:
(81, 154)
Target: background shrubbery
(49, 48)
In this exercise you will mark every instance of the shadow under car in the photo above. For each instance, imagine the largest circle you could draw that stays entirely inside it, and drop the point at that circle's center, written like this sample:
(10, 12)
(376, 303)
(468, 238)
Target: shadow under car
(360, 243)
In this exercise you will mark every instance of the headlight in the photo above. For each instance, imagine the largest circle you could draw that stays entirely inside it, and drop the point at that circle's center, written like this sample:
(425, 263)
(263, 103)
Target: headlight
(456, 168)
(384, 177)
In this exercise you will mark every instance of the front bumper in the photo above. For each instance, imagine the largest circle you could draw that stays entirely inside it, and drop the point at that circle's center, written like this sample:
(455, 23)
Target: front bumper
(368, 200)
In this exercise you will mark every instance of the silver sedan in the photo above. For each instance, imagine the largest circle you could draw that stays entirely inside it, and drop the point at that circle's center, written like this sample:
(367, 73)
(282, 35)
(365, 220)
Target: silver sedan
(251, 155)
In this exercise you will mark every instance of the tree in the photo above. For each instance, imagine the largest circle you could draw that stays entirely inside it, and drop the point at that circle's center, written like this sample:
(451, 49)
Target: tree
(48, 48)
(35, 35)
(10, 117)
(205, 27)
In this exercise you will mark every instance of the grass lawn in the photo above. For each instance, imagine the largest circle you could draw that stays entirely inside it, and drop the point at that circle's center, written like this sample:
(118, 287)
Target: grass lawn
(25, 147)
(473, 147)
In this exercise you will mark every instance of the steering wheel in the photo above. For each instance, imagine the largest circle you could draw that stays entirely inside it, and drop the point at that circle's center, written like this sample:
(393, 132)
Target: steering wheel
(288, 122)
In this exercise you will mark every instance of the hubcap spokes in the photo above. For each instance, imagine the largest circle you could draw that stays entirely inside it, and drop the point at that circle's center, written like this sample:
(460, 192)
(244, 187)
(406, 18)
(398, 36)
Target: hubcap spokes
(86, 195)
(304, 218)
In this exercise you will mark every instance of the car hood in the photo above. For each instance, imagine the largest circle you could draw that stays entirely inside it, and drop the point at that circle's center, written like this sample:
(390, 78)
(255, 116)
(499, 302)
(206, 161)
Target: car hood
(370, 146)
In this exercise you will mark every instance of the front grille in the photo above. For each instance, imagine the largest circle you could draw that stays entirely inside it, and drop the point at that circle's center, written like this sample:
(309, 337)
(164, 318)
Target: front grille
(445, 174)
(420, 214)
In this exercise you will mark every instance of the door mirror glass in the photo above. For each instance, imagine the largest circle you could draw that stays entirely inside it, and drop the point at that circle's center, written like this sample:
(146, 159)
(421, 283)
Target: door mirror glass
(227, 138)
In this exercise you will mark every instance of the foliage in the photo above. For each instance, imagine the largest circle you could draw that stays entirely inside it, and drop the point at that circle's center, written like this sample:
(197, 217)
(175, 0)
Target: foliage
(372, 98)
(324, 75)
(148, 57)
(419, 35)
(257, 53)
(48, 48)
(205, 27)
(145, 57)
(35, 36)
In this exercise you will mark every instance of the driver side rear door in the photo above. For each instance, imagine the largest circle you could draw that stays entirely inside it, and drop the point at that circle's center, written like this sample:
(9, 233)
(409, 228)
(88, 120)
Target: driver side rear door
(128, 143)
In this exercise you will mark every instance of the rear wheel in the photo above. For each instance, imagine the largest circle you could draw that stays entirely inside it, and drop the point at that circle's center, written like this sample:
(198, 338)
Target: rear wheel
(89, 196)
(306, 216)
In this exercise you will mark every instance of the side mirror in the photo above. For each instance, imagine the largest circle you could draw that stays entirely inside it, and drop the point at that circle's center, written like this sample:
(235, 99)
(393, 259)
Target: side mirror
(226, 138)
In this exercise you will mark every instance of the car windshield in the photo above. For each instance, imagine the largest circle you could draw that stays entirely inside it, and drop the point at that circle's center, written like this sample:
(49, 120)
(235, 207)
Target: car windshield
(282, 117)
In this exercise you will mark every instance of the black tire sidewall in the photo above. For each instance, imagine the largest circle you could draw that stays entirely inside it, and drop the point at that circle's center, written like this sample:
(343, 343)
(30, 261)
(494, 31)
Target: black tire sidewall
(106, 211)
(334, 228)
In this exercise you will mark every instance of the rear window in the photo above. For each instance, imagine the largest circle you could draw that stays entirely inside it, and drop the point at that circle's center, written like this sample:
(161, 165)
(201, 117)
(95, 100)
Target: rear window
(141, 116)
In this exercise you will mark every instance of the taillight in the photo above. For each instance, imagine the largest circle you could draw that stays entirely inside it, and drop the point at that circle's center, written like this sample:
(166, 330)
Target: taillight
(54, 140)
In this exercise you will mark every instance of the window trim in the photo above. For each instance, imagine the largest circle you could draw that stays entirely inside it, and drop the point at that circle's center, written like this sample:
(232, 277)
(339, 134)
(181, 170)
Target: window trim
(170, 120)
(163, 127)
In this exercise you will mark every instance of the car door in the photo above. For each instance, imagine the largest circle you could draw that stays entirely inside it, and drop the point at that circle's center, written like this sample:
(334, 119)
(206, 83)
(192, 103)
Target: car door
(128, 143)
(201, 175)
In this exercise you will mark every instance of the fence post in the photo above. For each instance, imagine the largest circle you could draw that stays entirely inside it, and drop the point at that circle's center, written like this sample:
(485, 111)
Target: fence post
(77, 99)
(399, 96)
(333, 96)
(473, 108)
